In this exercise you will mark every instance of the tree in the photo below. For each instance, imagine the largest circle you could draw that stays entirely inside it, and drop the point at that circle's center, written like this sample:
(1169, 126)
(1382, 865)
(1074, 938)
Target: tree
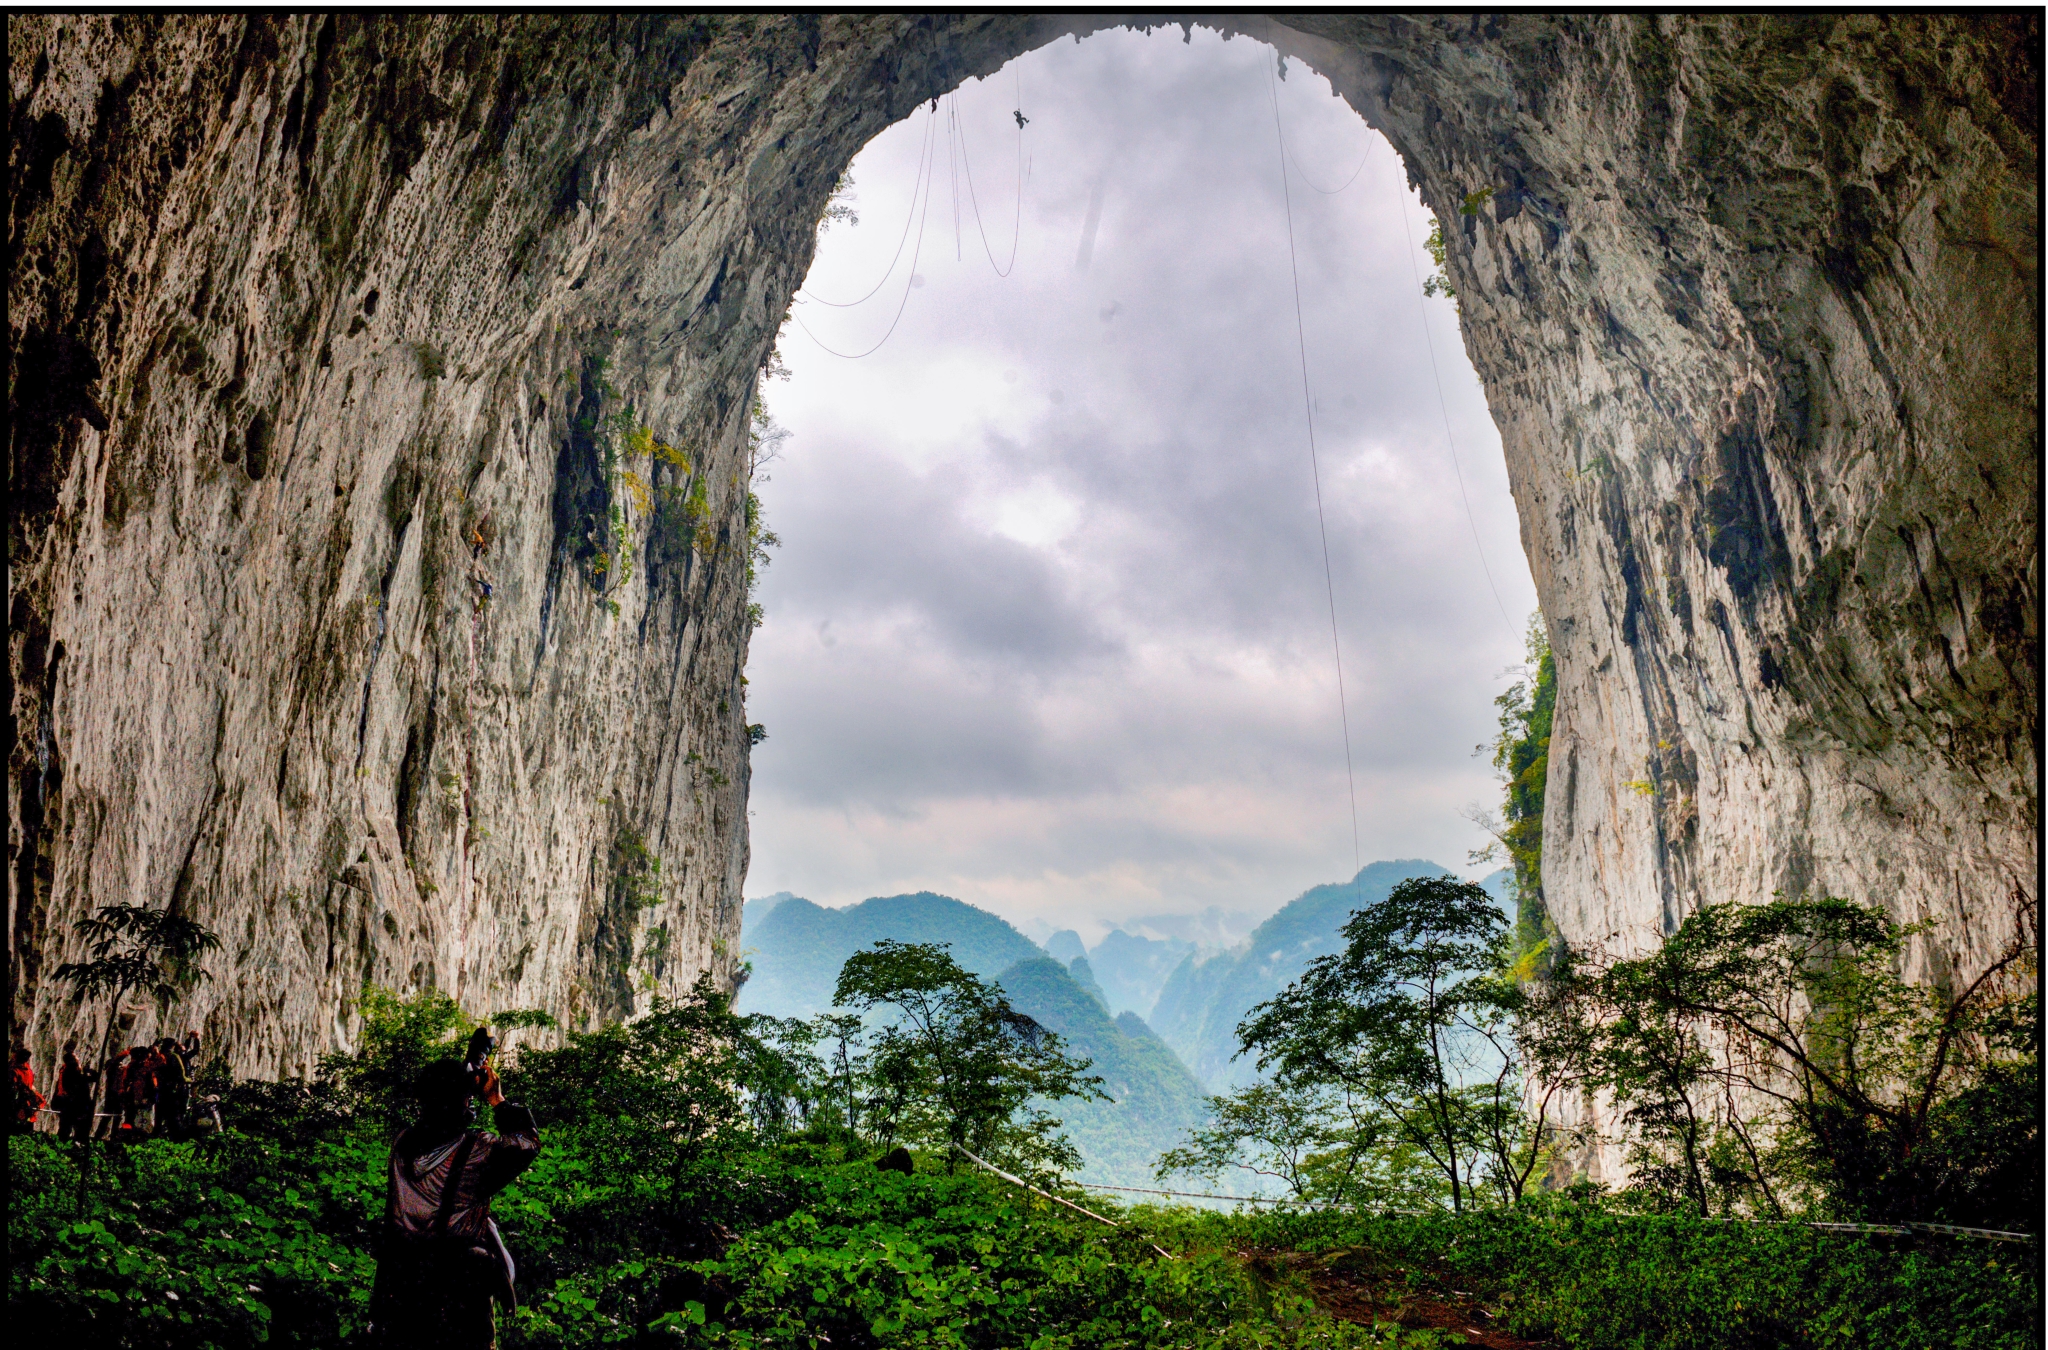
(136, 950)
(688, 1078)
(1324, 1142)
(133, 949)
(1416, 1016)
(1779, 1045)
(1437, 282)
(400, 1037)
(845, 1064)
(782, 1080)
(957, 1065)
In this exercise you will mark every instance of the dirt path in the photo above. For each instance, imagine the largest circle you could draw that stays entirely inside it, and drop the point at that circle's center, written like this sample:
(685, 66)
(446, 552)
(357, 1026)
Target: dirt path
(1357, 1285)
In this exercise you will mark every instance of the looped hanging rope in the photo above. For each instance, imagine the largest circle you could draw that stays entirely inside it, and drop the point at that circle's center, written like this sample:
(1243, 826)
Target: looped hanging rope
(917, 183)
(1017, 227)
(1331, 192)
(908, 286)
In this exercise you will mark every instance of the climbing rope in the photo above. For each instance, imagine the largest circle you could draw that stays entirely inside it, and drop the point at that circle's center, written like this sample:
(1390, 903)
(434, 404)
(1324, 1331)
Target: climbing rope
(1017, 227)
(923, 159)
(1450, 442)
(1308, 408)
(908, 286)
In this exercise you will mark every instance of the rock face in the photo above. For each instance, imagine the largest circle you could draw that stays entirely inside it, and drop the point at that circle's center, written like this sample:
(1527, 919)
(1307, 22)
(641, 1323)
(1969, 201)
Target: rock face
(1754, 301)
(380, 400)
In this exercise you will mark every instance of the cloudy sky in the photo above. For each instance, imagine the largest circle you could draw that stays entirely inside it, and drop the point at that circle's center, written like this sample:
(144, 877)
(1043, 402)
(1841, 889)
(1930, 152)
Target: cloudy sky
(1048, 630)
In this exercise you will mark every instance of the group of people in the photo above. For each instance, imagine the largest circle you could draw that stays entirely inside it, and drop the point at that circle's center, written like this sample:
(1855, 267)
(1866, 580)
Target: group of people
(147, 1091)
(442, 1266)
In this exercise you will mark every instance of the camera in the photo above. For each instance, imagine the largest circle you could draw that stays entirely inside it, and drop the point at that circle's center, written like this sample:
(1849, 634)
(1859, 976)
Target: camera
(476, 1059)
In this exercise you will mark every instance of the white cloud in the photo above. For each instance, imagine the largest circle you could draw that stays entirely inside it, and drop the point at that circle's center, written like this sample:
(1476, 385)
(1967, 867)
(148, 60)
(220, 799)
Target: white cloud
(1049, 630)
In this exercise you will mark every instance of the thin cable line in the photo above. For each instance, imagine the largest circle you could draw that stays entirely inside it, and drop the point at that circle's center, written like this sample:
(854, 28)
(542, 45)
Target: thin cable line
(953, 167)
(908, 286)
(1450, 444)
(1315, 468)
(1331, 192)
(923, 158)
(1016, 229)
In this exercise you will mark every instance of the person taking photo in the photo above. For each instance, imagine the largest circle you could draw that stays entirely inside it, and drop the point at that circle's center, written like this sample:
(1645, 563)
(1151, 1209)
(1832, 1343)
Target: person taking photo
(441, 1264)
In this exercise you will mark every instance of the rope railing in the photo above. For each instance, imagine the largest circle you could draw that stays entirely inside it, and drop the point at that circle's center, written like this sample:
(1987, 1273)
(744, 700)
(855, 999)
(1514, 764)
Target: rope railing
(1902, 1230)
(1207, 1195)
(1079, 1209)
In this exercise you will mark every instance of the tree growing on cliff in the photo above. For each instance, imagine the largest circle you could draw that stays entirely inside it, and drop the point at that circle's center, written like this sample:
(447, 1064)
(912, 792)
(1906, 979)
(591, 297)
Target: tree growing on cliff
(957, 1065)
(1521, 755)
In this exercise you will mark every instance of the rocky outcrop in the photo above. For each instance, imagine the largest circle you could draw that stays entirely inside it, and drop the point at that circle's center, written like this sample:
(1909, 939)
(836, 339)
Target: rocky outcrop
(380, 396)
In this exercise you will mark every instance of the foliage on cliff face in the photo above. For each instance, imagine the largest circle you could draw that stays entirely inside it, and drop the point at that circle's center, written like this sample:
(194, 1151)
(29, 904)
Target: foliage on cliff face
(1521, 754)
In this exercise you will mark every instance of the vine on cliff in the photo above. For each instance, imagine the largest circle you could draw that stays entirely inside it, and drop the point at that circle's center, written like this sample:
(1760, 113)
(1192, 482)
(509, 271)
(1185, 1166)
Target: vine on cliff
(1521, 754)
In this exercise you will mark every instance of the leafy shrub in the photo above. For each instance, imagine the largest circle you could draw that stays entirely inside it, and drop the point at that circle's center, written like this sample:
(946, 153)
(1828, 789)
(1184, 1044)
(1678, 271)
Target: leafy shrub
(1570, 1268)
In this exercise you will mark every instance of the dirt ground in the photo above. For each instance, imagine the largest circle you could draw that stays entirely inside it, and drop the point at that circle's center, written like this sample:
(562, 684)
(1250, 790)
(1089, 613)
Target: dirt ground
(1356, 1285)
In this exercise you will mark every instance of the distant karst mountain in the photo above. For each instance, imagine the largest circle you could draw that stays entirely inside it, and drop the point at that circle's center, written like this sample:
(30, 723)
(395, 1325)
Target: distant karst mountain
(1156, 1099)
(1133, 968)
(1209, 993)
(796, 948)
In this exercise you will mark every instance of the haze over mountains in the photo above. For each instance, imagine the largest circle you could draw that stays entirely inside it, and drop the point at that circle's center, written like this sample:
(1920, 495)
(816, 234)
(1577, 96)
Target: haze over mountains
(796, 948)
(1157, 1014)
(1208, 994)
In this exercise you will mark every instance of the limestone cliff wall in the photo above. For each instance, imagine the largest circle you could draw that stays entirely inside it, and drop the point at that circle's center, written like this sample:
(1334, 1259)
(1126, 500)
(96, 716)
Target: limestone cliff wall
(344, 615)
(348, 615)
(1755, 302)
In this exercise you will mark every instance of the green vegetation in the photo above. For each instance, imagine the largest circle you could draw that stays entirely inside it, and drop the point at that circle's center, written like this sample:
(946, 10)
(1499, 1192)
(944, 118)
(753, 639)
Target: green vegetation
(671, 499)
(636, 870)
(1152, 1098)
(1413, 1027)
(1768, 1061)
(839, 206)
(1772, 1059)
(798, 947)
(1210, 993)
(1521, 754)
(1326, 1144)
(1439, 281)
(706, 1180)
(954, 1066)
(154, 952)
(1570, 1270)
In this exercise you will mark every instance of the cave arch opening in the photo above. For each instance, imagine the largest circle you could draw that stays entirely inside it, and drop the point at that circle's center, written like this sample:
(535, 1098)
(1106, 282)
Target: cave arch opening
(1049, 620)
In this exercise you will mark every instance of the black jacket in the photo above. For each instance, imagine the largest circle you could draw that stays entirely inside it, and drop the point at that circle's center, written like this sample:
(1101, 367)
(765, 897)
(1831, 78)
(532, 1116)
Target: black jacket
(437, 1241)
